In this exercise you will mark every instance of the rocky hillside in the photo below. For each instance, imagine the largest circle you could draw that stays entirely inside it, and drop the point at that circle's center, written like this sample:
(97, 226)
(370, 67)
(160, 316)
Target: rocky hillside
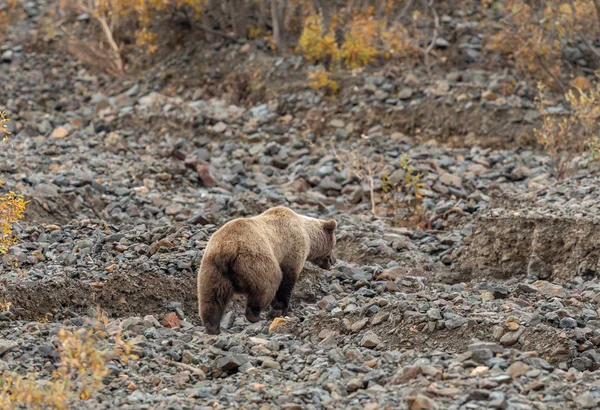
(489, 300)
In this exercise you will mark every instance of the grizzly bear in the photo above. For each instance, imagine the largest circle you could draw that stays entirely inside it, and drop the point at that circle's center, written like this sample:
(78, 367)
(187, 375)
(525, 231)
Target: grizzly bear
(260, 257)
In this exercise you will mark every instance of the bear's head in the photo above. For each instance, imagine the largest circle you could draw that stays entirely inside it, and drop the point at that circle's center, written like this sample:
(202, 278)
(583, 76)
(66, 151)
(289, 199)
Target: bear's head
(325, 257)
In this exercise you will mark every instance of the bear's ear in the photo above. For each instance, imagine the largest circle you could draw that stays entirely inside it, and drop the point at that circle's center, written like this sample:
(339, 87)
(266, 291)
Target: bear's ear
(330, 225)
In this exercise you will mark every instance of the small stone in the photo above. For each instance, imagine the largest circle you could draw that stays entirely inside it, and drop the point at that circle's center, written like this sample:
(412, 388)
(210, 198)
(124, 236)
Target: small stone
(405, 93)
(370, 340)
(511, 338)
(517, 369)
(173, 209)
(277, 323)
(270, 364)
(482, 355)
(513, 326)
(586, 400)
(328, 300)
(434, 314)
(393, 274)
(219, 127)
(456, 322)
(229, 362)
(59, 132)
(450, 180)
(204, 174)
(478, 370)
(421, 402)
(170, 320)
(567, 323)
(489, 95)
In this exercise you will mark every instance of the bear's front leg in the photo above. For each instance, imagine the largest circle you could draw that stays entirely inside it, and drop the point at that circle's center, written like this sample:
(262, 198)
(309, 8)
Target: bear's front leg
(281, 303)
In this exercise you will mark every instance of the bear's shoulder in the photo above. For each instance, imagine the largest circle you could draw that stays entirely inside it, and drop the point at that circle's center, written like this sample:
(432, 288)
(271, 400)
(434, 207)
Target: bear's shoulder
(280, 211)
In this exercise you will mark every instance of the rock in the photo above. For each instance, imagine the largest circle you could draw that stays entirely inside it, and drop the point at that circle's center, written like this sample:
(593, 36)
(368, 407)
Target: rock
(229, 363)
(517, 369)
(59, 132)
(393, 274)
(170, 320)
(420, 402)
(488, 95)
(277, 323)
(405, 93)
(434, 314)
(586, 401)
(450, 180)
(455, 322)
(219, 127)
(440, 89)
(370, 340)
(511, 338)
(567, 323)
(6, 346)
(482, 355)
(204, 174)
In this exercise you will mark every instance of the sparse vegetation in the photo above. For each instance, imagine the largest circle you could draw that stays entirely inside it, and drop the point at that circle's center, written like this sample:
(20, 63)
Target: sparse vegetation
(536, 38)
(566, 136)
(402, 191)
(12, 206)
(84, 354)
(321, 80)
(396, 196)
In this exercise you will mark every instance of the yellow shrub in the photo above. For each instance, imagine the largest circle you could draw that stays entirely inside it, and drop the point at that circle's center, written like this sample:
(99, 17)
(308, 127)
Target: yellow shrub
(315, 45)
(12, 206)
(84, 355)
(565, 137)
(533, 36)
(397, 42)
(359, 48)
(320, 80)
(142, 12)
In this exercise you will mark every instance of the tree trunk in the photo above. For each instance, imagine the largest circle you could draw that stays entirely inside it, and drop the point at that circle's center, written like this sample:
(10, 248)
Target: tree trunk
(277, 14)
(239, 17)
(262, 14)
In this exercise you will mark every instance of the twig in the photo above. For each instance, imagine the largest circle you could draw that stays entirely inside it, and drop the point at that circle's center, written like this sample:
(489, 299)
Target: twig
(90, 9)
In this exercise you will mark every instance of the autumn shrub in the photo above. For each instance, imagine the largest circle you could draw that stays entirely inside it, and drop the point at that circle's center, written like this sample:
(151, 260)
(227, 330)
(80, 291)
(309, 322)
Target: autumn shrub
(360, 41)
(84, 355)
(565, 136)
(365, 38)
(533, 36)
(12, 206)
(321, 80)
(314, 44)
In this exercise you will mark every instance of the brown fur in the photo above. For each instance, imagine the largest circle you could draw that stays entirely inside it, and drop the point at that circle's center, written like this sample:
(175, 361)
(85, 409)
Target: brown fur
(260, 257)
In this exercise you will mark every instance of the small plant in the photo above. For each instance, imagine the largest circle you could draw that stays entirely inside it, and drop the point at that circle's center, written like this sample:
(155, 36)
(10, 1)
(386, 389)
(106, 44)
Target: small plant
(321, 81)
(362, 167)
(402, 189)
(12, 206)
(397, 194)
(84, 355)
(565, 137)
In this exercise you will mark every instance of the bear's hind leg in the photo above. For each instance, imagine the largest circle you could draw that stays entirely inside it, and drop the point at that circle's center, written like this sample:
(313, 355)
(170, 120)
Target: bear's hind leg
(259, 299)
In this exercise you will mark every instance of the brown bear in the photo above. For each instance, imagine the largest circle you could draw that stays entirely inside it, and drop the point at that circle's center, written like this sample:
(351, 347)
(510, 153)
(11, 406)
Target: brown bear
(260, 257)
